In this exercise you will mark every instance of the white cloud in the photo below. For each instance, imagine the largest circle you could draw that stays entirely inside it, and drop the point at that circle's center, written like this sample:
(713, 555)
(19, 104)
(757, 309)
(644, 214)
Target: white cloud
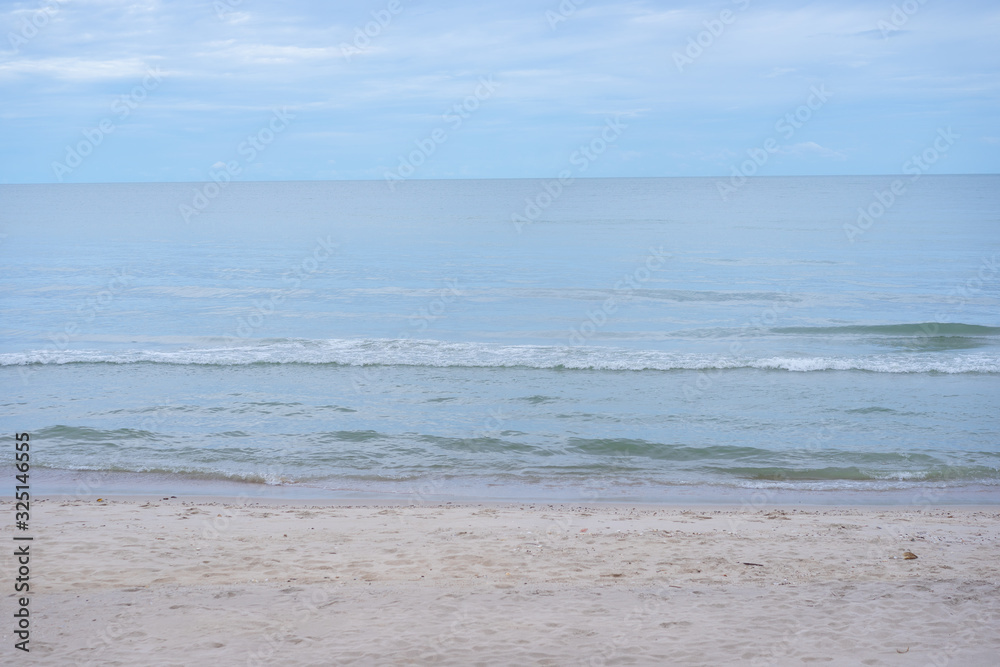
(780, 71)
(811, 147)
(272, 54)
(75, 69)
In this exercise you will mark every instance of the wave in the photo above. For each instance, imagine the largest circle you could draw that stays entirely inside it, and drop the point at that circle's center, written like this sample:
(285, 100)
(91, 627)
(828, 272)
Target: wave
(923, 329)
(944, 473)
(96, 476)
(87, 434)
(440, 354)
(362, 454)
(829, 478)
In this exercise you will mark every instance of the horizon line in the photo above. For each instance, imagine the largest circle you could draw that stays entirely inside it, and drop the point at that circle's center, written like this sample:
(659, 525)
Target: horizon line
(497, 178)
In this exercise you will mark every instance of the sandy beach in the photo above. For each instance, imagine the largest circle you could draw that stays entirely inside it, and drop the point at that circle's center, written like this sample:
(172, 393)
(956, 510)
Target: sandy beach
(182, 581)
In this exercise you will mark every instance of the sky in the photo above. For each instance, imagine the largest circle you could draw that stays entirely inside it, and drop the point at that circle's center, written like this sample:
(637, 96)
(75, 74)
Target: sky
(159, 91)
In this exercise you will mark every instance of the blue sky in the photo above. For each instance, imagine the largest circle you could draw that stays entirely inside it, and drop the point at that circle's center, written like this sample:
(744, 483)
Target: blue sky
(181, 86)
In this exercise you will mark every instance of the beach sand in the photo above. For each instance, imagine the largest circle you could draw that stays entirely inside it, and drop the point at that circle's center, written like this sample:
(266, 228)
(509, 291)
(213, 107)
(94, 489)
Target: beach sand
(201, 581)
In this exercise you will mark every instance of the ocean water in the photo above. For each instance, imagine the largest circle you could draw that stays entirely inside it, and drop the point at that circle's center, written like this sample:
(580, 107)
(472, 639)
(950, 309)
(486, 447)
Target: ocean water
(620, 339)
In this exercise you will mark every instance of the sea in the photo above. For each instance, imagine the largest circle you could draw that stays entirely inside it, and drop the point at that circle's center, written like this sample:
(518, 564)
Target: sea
(658, 340)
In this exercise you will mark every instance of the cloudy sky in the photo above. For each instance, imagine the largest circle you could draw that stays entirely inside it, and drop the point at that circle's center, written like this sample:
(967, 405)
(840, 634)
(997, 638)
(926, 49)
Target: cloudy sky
(151, 90)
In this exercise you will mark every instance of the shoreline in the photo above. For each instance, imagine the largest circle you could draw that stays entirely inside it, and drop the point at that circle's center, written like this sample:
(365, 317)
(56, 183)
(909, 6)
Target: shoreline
(69, 484)
(445, 503)
(255, 581)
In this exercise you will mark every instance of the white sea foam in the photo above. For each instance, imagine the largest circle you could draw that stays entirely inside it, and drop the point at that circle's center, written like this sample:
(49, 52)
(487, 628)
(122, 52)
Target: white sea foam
(370, 352)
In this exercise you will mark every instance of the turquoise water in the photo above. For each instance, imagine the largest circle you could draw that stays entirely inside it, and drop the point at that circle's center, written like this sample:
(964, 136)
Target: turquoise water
(630, 339)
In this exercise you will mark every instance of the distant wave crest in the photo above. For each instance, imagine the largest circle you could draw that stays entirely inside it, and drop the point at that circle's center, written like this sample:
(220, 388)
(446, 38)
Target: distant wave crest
(920, 330)
(431, 353)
